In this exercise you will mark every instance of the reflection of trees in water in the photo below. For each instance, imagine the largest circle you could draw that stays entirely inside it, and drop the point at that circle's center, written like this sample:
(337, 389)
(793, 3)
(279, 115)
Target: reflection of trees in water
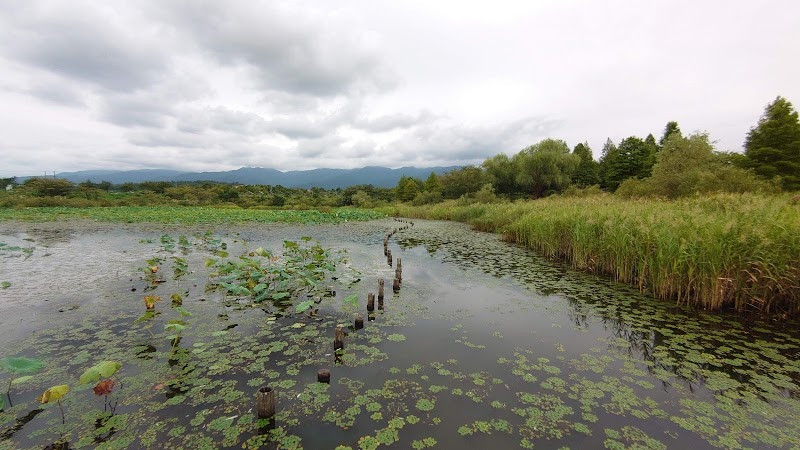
(485, 251)
(625, 314)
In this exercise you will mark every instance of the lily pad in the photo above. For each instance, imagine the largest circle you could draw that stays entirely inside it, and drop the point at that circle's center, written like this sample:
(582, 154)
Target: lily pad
(20, 364)
(99, 371)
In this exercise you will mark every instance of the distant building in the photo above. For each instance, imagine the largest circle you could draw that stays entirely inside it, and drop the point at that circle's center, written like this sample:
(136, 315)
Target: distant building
(9, 187)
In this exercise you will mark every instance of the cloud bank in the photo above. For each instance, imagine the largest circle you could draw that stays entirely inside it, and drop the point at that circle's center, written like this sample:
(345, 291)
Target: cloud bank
(297, 85)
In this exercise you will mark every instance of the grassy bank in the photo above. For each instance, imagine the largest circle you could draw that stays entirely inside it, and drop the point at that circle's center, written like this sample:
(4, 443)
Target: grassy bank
(187, 215)
(728, 250)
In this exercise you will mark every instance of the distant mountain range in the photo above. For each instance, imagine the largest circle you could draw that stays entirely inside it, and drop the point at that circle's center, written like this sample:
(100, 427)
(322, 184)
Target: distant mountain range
(322, 178)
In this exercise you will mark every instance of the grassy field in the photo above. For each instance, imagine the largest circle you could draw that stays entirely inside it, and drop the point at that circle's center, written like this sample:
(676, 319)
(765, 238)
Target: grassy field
(729, 250)
(186, 215)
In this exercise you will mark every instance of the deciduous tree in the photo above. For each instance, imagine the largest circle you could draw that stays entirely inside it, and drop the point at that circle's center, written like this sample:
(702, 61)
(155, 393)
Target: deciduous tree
(545, 168)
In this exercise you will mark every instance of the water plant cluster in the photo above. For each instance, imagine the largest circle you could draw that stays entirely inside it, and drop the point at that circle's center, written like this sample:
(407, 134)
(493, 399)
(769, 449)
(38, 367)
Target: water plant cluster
(737, 251)
(187, 215)
(12, 251)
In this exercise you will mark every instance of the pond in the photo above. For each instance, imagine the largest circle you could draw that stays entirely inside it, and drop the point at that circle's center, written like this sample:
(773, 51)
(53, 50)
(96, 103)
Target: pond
(485, 345)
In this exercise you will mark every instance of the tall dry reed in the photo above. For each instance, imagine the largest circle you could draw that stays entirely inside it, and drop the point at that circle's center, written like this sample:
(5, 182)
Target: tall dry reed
(724, 250)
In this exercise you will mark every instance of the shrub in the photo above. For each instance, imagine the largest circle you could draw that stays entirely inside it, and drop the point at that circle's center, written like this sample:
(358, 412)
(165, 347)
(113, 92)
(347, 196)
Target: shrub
(427, 198)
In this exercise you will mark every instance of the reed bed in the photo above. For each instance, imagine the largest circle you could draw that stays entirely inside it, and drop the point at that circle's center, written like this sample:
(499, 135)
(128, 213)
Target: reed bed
(738, 251)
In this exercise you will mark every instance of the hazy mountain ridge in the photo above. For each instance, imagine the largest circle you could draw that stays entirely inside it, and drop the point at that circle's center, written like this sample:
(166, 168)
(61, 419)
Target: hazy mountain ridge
(323, 178)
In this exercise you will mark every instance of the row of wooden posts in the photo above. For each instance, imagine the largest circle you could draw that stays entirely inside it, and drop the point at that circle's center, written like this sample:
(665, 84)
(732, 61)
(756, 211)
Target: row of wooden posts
(265, 398)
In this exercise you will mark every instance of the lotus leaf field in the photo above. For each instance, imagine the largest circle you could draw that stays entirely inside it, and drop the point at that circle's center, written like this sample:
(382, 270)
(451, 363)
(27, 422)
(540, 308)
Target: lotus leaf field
(156, 327)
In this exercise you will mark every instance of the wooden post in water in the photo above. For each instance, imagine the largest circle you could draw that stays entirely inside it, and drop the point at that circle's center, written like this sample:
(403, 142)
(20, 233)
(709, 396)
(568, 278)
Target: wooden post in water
(359, 322)
(398, 275)
(265, 402)
(396, 286)
(399, 263)
(324, 376)
(381, 282)
(389, 258)
(370, 302)
(338, 339)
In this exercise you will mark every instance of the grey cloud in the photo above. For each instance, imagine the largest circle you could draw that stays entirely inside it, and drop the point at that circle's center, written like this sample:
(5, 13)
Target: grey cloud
(299, 128)
(154, 107)
(89, 44)
(289, 102)
(57, 93)
(287, 47)
(455, 142)
(315, 148)
(167, 138)
(362, 149)
(315, 124)
(221, 119)
(129, 110)
(392, 121)
(307, 126)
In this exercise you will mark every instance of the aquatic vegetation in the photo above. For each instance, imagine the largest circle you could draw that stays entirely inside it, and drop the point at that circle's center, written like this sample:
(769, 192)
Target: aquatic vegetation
(11, 250)
(18, 365)
(187, 215)
(298, 272)
(724, 250)
(614, 369)
(55, 394)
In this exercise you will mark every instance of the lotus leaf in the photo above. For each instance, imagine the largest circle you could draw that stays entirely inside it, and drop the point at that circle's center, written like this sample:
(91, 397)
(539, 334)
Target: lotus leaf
(20, 364)
(55, 393)
(104, 369)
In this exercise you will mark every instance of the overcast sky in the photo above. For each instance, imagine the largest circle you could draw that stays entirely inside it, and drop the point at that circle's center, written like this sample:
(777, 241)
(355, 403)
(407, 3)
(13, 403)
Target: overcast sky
(213, 85)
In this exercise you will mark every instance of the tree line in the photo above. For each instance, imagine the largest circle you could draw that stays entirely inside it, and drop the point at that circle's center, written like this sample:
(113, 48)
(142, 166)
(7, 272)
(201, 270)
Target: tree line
(672, 166)
(41, 191)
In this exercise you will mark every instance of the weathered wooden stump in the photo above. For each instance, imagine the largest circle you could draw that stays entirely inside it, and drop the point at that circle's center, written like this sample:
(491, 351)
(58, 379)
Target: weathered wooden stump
(380, 290)
(338, 339)
(324, 376)
(396, 286)
(265, 402)
(359, 322)
(370, 302)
